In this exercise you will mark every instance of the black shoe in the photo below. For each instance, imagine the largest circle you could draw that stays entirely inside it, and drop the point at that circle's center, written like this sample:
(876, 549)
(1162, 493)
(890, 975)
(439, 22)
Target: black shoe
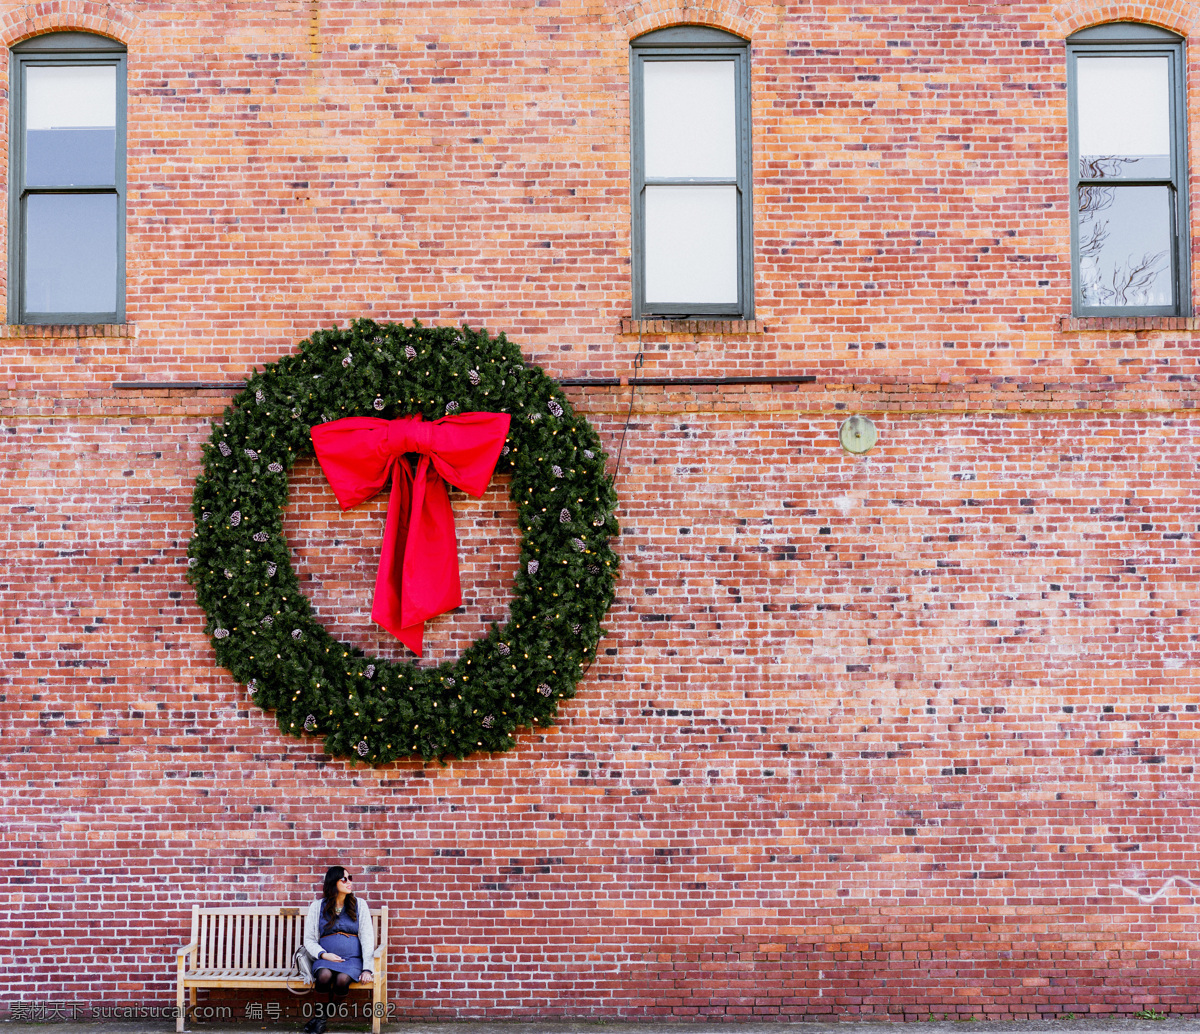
(317, 1025)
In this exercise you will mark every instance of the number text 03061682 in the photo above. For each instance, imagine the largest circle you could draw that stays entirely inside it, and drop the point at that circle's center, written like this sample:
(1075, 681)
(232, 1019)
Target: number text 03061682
(348, 1010)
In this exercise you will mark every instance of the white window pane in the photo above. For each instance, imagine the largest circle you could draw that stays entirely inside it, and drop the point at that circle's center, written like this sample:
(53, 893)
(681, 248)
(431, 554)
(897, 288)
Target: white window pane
(70, 97)
(70, 126)
(691, 245)
(689, 118)
(1124, 116)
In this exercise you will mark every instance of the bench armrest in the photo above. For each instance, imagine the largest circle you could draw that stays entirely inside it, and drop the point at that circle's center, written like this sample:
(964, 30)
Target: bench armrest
(185, 949)
(378, 952)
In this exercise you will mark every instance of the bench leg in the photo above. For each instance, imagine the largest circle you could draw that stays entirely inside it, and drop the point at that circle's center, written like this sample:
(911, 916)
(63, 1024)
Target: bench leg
(179, 1008)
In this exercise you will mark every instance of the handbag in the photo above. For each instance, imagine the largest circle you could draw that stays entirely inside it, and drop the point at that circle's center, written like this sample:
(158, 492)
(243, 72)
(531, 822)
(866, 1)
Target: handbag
(302, 968)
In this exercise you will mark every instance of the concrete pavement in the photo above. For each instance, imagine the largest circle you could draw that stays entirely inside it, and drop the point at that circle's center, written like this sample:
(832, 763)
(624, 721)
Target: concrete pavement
(1083, 1025)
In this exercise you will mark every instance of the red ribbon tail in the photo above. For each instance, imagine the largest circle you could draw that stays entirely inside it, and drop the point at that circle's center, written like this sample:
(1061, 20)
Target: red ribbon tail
(430, 580)
(386, 607)
(413, 637)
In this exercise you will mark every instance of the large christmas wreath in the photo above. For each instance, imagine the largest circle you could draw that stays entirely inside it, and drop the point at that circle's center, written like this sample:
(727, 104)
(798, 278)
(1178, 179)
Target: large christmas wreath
(262, 626)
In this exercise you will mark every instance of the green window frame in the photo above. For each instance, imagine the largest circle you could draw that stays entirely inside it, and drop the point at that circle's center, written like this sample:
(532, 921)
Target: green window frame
(66, 213)
(691, 201)
(1127, 133)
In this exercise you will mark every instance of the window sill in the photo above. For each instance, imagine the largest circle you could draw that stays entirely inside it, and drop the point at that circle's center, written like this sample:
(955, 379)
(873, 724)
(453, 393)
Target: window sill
(1082, 324)
(661, 328)
(61, 330)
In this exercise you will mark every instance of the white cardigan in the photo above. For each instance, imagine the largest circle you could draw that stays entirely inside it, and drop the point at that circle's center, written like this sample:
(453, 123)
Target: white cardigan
(366, 933)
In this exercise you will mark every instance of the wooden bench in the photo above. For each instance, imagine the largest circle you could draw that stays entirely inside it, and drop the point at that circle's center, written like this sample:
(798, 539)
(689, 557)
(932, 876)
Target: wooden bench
(253, 947)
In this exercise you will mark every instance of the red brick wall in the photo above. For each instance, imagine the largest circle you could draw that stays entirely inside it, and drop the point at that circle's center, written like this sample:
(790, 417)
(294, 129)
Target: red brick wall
(889, 735)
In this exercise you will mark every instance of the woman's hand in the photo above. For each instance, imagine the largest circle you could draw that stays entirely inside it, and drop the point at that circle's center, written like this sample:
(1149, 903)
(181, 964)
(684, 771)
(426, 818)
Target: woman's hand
(332, 957)
(366, 975)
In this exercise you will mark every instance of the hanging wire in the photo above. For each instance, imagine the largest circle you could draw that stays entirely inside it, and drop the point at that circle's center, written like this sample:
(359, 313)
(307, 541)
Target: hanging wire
(639, 361)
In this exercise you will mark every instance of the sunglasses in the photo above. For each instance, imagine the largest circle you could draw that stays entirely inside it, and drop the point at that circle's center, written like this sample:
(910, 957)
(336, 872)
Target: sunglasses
(347, 879)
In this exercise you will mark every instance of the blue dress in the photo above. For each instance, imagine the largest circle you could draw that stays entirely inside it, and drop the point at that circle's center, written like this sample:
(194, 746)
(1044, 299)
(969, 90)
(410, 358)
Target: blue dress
(342, 939)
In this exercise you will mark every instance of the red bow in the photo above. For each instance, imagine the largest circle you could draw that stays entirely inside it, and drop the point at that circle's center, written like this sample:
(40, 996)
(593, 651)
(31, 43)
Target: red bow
(418, 566)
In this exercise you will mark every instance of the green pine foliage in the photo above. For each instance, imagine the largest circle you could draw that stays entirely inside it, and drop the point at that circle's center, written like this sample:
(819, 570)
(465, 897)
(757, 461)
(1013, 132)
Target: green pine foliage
(260, 623)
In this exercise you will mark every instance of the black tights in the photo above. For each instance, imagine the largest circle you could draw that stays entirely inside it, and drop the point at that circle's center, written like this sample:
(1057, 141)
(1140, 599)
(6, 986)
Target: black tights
(336, 985)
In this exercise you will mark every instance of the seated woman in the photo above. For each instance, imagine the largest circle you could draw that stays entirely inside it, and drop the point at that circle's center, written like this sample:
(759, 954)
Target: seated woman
(339, 936)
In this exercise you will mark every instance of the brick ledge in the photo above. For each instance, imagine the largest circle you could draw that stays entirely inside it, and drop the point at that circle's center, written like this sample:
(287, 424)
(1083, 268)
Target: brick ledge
(1081, 324)
(661, 328)
(67, 330)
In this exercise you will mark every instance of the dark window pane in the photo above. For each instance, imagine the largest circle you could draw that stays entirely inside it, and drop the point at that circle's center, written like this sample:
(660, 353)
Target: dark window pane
(1123, 108)
(1125, 246)
(70, 125)
(71, 253)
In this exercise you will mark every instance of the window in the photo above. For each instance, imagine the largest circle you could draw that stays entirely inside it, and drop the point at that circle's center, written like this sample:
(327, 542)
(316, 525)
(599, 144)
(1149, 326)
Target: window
(66, 221)
(691, 174)
(1128, 155)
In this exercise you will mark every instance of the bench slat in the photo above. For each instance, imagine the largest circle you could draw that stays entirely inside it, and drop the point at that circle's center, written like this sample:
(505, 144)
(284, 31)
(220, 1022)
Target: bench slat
(201, 958)
(247, 974)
